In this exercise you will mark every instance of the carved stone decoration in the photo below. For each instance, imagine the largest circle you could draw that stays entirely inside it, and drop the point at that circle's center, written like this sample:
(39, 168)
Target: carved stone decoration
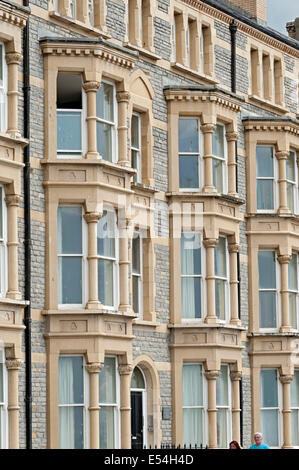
(212, 374)
(125, 369)
(207, 128)
(13, 58)
(235, 375)
(92, 217)
(286, 379)
(94, 367)
(13, 364)
(284, 259)
(91, 86)
(13, 200)
(210, 242)
(123, 96)
(233, 247)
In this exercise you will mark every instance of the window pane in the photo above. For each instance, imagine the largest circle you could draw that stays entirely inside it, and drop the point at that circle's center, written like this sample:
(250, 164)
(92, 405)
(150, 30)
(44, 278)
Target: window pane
(69, 131)
(135, 132)
(292, 267)
(192, 426)
(218, 141)
(267, 272)
(269, 423)
(222, 438)
(217, 175)
(220, 299)
(295, 389)
(192, 385)
(70, 380)
(293, 310)
(264, 162)
(104, 140)
(290, 196)
(267, 302)
(105, 282)
(107, 381)
(136, 254)
(295, 427)
(265, 199)
(290, 163)
(191, 297)
(222, 387)
(136, 296)
(269, 389)
(105, 102)
(136, 164)
(188, 135)
(69, 230)
(1, 386)
(220, 257)
(137, 380)
(1, 213)
(107, 431)
(71, 428)
(1, 65)
(190, 253)
(70, 280)
(106, 235)
(188, 171)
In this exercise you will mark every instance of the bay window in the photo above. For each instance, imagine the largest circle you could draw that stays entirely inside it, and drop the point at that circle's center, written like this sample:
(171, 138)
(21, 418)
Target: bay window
(194, 398)
(106, 110)
(107, 247)
(71, 256)
(293, 276)
(109, 404)
(136, 159)
(137, 274)
(270, 407)
(73, 407)
(268, 285)
(3, 241)
(189, 154)
(219, 159)
(3, 402)
(266, 175)
(3, 89)
(223, 404)
(295, 409)
(221, 279)
(191, 276)
(292, 184)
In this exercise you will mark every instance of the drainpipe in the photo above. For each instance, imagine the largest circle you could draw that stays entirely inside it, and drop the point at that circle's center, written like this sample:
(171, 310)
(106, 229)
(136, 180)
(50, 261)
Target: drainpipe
(233, 31)
(27, 240)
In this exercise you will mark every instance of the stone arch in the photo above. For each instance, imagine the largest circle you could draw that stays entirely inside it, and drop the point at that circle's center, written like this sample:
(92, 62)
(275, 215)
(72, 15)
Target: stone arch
(140, 85)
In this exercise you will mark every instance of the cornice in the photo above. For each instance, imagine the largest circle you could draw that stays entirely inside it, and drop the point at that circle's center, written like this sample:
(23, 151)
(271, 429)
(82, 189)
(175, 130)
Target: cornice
(216, 97)
(12, 15)
(289, 127)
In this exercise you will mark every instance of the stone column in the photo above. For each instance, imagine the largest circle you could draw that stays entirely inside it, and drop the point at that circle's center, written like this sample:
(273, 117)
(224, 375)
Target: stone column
(285, 314)
(13, 59)
(13, 366)
(210, 244)
(207, 130)
(91, 89)
(211, 376)
(125, 372)
(124, 305)
(123, 98)
(135, 22)
(236, 410)
(231, 138)
(287, 429)
(233, 249)
(94, 423)
(92, 219)
(13, 202)
(283, 204)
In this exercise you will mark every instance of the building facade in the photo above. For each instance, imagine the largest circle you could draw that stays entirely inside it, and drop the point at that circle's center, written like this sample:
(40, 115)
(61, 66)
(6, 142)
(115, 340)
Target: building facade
(164, 133)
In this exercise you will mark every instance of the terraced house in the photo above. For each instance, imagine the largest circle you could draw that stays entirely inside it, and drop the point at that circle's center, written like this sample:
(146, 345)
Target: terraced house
(149, 224)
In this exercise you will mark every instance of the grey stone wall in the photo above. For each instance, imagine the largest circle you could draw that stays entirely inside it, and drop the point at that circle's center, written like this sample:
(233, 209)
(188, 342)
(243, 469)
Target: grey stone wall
(162, 38)
(163, 5)
(223, 65)
(160, 159)
(115, 19)
(290, 94)
(162, 279)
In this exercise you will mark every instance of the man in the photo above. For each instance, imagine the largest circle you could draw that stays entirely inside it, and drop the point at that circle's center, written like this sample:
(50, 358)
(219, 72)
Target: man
(258, 437)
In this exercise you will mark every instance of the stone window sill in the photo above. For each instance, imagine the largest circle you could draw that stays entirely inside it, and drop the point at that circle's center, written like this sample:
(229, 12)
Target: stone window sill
(79, 25)
(13, 139)
(82, 311)
(203, 325)
(9, 301)
(143, 187)
(194, 73)
(138, 322)
(142, 51)
(88, 161)
(268, 104)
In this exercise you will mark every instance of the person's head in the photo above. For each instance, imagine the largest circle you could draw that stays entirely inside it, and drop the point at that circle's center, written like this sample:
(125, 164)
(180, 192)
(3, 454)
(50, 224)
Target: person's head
(234, 445)
(258, 437)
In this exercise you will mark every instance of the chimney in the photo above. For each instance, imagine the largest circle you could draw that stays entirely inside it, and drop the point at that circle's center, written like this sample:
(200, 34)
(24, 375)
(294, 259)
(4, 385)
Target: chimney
(292, 28)
(255, 9)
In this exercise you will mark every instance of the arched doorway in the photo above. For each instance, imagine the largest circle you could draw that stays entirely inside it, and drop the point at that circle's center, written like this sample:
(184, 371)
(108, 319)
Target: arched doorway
(138, 409)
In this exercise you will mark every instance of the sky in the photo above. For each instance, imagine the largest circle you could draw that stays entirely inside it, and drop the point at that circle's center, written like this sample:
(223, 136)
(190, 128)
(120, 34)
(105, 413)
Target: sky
(279, 12)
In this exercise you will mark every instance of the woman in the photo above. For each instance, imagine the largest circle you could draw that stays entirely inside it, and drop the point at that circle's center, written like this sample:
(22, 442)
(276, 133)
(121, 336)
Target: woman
(234, 445)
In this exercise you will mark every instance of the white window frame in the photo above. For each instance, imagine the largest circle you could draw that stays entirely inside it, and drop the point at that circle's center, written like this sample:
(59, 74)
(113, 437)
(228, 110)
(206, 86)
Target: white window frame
(223, 160)
(294, 183)
(3, 245)
(115, 260)
(279, 407)
(115, 405)
(138, 176)
(204, 407)
(3, 91)
(138, 233)
(113, 124)
(4, 405)
(203, 280)
(275, 183)
(228, 407)
(144, 406)
(277, 294)
(226, 280)
(295, 408)
(83, 256)
(199, 155)
(85, 404)
(296, 292)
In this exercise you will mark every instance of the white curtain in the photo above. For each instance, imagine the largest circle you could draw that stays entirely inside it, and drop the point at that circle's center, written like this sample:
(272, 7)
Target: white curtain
(188, 283)
(222, 428)
(192, 396)
(66, 396)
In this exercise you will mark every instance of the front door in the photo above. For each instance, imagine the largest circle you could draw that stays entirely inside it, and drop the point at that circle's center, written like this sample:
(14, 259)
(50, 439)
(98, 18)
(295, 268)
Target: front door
(136, 420)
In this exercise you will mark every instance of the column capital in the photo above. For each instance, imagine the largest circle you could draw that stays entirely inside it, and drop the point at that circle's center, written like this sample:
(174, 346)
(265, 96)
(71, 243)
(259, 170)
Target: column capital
(92, 217)
(13, 199)
(123, 96)
(125, 369)
(91, 86)
(282, 155)
(284, 259)
(286, 379)
(212, 374)
(233, 247)
(235, 375)
(13, 58)
(207, 128)
(210, 242)
(13, 364)
(94, 367)
(231, 136)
